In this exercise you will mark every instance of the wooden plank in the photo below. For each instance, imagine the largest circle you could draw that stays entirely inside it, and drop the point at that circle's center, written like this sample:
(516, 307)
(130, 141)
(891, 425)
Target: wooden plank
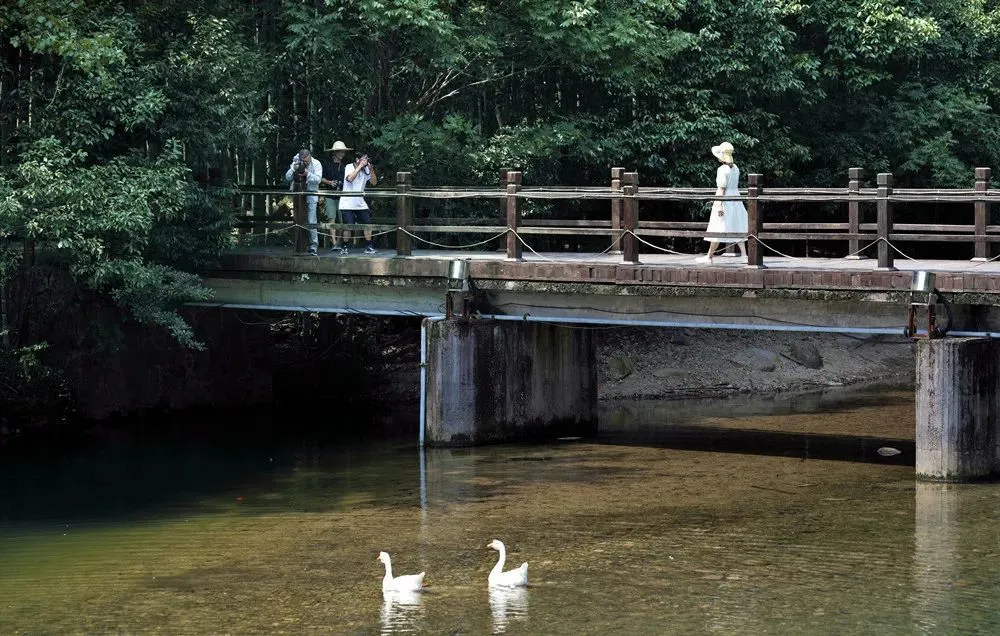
(816, 236)
(404, 214)
(514, 214)
(981, 215)
(455, 229)
(561, 231)
(564, 223)
(819, 191)
(616, 205)
(853, 208)
(445, 220)
(884, 209)
(666, 225)
(689, 234)
(755, 221)
(630, 217)
(604, 230)
(806, 226)
(789, 236)
(946, 238)
(356, 227)
(930, 227)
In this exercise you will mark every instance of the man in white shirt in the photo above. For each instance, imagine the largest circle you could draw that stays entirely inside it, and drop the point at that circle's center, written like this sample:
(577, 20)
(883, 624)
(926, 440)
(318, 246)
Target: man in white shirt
(356, 176)
(306, 172)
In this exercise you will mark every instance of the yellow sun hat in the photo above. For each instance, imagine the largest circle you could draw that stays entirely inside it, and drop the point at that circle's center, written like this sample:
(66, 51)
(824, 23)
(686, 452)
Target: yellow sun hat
(723, 152)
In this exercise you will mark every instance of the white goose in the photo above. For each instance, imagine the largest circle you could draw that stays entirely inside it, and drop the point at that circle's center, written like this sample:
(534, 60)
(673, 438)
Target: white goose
(404, 583)
(511, 578)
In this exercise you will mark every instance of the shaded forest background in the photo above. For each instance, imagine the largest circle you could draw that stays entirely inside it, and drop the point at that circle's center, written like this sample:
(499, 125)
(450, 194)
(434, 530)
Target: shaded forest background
(125, 125)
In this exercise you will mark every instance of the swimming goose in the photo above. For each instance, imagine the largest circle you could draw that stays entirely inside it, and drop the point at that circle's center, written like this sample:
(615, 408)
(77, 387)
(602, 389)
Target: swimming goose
(404, 583)
(511, 578)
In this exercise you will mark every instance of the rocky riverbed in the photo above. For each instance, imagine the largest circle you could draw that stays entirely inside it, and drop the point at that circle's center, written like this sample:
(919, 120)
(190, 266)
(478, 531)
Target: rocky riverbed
(682, 363)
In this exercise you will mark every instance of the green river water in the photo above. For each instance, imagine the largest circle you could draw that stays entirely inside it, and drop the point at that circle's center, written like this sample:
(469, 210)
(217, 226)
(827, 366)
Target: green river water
(737, 517)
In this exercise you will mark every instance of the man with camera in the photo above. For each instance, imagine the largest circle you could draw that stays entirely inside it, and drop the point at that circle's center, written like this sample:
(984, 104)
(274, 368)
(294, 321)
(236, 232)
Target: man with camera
(356, 176)
(304, 174)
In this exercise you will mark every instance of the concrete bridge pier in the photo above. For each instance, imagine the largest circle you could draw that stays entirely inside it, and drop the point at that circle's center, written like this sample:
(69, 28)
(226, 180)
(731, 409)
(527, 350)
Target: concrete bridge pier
(506, 381)
(958, 397)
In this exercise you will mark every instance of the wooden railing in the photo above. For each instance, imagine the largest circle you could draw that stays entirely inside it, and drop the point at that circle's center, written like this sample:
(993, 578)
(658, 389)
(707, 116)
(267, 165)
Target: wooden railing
(626, 232)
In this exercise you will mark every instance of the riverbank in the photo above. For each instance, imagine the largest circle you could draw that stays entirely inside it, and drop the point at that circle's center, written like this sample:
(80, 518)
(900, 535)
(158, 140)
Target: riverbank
(682, 363)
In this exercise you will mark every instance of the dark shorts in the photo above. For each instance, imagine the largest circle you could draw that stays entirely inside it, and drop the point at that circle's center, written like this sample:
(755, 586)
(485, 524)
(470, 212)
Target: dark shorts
(363, 216)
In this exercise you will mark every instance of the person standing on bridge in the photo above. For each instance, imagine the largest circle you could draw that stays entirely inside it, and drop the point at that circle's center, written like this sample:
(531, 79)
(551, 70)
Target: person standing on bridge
(304, 174)
(356, 175)
(726, 216)
(333, 180)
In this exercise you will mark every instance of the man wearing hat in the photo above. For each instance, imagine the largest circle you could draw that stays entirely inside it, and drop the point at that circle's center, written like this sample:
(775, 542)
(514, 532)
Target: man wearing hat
(333, 179)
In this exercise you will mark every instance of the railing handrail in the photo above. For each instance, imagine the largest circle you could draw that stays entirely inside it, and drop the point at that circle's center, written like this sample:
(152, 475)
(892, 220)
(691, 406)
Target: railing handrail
(624, 226)
(694, 195)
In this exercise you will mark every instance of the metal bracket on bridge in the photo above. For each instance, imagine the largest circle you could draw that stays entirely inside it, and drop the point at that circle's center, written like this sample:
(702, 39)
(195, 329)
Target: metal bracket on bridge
(459, 285)
(923, 294)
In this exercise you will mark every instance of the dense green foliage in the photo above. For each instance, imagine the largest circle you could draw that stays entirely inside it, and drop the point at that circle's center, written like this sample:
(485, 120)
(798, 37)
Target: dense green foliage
(108, 113)
(565, 89)
(122, 123)
(30, 391)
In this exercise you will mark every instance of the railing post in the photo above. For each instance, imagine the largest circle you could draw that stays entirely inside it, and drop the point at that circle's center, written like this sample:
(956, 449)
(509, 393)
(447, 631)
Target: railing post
(885, 255)
(630, 211)
(616, 209)
(755, 251)
(299, 216)
(982, 251)
(261, 203)
(853, 212)
(502, 244)
(513, 215)
(404, 214)
(4, 329)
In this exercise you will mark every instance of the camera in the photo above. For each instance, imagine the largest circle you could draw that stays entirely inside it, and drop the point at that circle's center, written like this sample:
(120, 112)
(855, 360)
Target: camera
(299, 169)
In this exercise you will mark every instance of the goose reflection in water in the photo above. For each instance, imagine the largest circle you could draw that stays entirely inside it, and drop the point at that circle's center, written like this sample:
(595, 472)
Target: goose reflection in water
(507, 604)
(401, 610)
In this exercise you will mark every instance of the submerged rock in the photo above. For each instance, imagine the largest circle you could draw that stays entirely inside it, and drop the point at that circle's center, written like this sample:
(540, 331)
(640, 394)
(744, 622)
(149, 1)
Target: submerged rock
(620, 367)
(763, 360)
(806, 354)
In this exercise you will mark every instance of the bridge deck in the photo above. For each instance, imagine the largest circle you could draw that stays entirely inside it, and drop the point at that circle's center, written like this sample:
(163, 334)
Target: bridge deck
(957, 276)
(668, 289)
(687, 261)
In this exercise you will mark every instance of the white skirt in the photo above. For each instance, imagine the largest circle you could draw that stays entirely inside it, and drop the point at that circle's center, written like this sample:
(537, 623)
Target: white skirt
(734, 219)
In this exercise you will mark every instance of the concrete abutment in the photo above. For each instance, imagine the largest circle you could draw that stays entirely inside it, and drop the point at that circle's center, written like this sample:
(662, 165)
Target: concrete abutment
(958, 396)
(503, 381)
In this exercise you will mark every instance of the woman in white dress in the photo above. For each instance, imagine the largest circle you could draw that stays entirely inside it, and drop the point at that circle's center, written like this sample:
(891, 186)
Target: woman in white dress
(727, 216)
